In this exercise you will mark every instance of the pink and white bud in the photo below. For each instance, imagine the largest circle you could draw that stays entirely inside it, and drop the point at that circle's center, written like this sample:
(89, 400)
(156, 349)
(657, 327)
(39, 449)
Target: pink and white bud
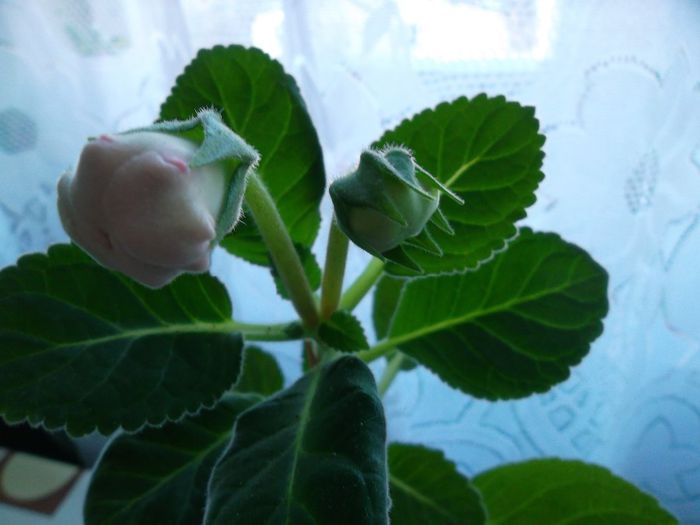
(136, 206)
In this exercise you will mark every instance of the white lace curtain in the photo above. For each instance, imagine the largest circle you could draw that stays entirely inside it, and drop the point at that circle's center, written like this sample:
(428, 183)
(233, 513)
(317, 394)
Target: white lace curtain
(617, 91)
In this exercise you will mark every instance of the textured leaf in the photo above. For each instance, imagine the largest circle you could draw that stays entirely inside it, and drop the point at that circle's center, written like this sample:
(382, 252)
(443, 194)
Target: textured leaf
(426, 488)
(262, 104)
(311, 269)
(311, 454)
(160, 475)
(489, 152)
(558, 492)
(343, 332)
(261, 373)
(387, 294)
(87, 348)
(514, 326)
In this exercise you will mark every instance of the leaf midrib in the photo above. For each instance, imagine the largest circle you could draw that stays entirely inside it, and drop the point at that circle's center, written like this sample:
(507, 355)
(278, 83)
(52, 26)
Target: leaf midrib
(449, 323)
(226, 327)
(304, 417)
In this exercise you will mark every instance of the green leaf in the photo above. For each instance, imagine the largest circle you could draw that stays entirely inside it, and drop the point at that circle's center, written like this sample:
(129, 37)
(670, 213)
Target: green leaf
(310, 266)
(489, 152)
(160, 475)
(261, 373)
(426, 487)
(87, 348)
(387, 294)
(262, 104)
(343, 332)
(559, 492)
(514, 326)
(312, 454)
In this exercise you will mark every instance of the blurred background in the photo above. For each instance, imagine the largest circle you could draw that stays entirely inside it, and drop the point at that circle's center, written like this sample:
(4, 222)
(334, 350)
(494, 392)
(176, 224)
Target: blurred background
(616, 86)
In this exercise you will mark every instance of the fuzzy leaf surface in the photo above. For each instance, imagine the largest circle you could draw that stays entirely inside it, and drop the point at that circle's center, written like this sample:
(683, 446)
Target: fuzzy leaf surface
(160, 475)
(426, 487)
(488, 151)
(262, 104)
(87, 348)
(511, 328)
(565, 492)
(313, 454)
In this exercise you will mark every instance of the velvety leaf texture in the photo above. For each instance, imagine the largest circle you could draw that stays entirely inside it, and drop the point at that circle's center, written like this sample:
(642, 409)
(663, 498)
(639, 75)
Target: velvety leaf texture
(511, 328)
(86, 348)
(426, 488)
(262, 104)
(261, 373)
(343, 332)
(558, 492)
(488, 151)
(160, 475)
(312, 454)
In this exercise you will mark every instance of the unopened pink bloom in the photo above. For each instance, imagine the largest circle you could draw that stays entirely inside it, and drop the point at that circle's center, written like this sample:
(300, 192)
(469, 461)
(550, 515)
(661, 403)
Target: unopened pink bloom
(136, 207)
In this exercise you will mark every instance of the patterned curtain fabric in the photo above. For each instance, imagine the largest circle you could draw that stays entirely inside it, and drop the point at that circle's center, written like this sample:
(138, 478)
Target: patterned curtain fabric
(617, 91)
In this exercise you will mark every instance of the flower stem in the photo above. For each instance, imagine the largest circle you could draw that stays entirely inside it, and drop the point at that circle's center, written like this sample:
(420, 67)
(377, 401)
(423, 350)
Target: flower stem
(364, 282)
(284, 256)
(390, 372)
(334, 270)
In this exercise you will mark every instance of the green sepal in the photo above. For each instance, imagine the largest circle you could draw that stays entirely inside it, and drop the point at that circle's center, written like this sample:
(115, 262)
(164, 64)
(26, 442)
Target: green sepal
(425, 241)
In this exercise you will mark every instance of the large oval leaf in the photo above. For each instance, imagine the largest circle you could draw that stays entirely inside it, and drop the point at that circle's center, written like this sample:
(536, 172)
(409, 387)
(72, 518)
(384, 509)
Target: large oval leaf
(312, 454)
(87, 348)
(511, 328)
(558, 492)
(427, 488)
(489, 152)
(262, 104)
(160, 475)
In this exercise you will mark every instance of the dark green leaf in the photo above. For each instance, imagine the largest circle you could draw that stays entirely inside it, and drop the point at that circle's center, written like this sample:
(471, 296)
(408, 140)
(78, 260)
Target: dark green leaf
(262, 104)
(311, 269)
(312, 454)
(160, 475)
(558, 492)
(386, 298)
(489, 152)
(261, 373)
(514, 326)
(343, 332)
(426, 488)
(87, 348)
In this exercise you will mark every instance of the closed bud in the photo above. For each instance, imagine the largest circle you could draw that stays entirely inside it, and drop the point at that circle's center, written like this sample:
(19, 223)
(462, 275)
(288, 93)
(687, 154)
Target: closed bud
(136, 206)
(384, 202)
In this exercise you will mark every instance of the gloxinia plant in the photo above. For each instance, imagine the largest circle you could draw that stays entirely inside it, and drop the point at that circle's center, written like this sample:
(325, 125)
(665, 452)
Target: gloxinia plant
(127, 334)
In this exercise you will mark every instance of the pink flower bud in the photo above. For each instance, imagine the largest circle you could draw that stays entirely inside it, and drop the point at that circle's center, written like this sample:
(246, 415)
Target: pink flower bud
(136, 206)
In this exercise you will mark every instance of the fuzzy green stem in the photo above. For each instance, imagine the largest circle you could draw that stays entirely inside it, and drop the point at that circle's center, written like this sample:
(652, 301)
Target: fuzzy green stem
(334, 270)
(363, 284)
(284, 256)
(290, 331)
(380, 349)
(390, 372)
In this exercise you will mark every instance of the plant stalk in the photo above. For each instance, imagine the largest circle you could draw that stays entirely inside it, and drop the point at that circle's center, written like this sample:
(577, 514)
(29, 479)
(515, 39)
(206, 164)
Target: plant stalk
(363, 284)
(390, 372)
(334, 270)
(284, 256)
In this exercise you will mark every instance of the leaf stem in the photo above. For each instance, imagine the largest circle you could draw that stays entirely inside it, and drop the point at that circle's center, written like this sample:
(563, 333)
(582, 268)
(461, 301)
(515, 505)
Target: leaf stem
(334, 270)
(390, 372)
(364, 282)
(289, 331)
(284, 256)
(377, 351)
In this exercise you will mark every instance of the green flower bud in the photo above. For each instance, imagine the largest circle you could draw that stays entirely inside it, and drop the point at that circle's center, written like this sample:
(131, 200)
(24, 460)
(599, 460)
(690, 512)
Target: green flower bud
(387, 201)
